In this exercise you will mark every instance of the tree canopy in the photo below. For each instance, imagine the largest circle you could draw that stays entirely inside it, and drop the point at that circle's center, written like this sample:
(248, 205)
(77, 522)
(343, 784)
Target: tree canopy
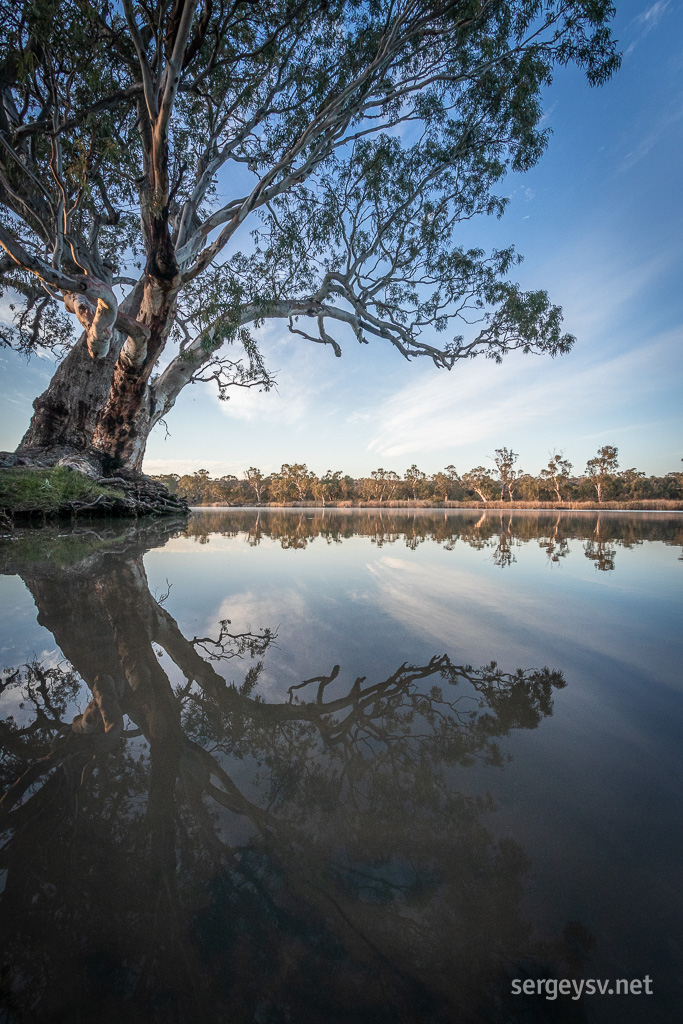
(179, 172)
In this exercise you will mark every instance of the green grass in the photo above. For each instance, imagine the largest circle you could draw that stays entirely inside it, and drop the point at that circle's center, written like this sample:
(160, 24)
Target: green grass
(48, 490)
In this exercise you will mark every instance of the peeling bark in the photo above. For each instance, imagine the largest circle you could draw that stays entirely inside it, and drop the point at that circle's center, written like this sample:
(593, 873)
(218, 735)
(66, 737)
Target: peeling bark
(121, 431)
(66, 414)
(101, 410)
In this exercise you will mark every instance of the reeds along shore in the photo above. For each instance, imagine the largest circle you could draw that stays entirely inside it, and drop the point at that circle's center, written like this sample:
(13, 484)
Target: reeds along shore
(655, 505)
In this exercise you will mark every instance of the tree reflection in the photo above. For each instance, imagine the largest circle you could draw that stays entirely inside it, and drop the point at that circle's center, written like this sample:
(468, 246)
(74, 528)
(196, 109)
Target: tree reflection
(501, 532)
(554, 543)
(597, 548)
(191, 852)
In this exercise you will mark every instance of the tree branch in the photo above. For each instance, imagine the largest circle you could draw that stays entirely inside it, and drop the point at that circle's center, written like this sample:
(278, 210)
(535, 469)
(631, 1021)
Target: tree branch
(93, 301)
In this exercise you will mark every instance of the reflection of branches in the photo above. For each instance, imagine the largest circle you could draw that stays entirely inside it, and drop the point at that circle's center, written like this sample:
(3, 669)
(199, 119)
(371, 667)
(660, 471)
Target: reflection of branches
(229, 645)
(48, 692)
(358, 826)
(342, 838)
(503, 555)
(555, 545)
(91, 733)
(323, 682)
(166, 594)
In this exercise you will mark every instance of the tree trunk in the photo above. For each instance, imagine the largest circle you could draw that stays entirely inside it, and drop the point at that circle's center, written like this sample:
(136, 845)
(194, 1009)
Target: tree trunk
(122, 429)
(96, 414)
(65, 415)
(124, 423)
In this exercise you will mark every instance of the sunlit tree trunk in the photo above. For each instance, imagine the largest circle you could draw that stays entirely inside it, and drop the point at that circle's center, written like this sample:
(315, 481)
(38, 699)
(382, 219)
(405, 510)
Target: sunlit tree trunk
(102, 411)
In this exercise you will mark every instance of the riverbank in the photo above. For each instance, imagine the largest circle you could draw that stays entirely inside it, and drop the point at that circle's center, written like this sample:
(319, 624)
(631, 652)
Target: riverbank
(31, 495)
(654, 505)
(61, 493)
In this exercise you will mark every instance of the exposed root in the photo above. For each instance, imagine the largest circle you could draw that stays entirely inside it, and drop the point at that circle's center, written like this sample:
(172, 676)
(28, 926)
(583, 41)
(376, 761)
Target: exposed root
(137, 496)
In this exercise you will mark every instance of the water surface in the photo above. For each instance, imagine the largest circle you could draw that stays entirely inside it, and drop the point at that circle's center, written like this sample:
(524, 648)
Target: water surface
(303, 766)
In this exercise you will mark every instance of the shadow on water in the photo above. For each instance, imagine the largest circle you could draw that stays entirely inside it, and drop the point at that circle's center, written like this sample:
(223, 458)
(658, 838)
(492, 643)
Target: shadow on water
(188, 852)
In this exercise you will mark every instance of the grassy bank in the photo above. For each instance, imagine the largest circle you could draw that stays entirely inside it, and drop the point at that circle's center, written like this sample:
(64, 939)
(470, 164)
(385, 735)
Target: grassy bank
(54, 493)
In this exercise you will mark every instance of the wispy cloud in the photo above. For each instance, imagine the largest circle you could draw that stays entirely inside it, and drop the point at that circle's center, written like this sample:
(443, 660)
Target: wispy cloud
(216, 467)
(657, 129)
(646, 21)
(453, 604)
(299, 381)
(440, 412)
(652, 15)
(472, 403)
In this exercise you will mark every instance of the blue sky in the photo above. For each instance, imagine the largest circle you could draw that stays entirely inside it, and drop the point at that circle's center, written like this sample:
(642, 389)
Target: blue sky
(600, 223)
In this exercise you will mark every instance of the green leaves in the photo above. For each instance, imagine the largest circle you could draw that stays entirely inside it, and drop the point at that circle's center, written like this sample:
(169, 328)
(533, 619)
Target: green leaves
(336, 145)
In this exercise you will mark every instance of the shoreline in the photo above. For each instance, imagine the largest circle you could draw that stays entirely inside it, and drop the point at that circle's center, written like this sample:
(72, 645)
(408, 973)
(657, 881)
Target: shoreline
(31, 495)
(61, 494)
(656, 505)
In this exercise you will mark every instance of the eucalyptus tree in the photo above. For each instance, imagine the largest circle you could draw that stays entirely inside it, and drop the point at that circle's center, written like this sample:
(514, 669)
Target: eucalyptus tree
(445, 483)
(504, 461)
(480, 481)
(415, 480)
(383, 484)
(292, 483)
(557, 471)
(632, 483)
(602, 468)
(329, 487)
(255, 481)
(175, 173)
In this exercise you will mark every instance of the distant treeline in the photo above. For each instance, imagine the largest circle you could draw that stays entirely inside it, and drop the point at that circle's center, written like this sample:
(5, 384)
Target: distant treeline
(602, 481)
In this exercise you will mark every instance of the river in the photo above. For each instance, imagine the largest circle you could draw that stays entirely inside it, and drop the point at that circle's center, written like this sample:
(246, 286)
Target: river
(342, 767)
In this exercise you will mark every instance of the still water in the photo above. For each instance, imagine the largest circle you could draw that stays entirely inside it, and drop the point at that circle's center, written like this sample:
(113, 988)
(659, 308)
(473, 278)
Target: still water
(305, 767)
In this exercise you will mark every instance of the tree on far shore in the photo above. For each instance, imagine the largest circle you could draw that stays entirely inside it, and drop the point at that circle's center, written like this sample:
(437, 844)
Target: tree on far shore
(385, 486)
(480, 481)
(445, 483)
(557, 471)
(255, 481)
(504, 461)
(602, 468)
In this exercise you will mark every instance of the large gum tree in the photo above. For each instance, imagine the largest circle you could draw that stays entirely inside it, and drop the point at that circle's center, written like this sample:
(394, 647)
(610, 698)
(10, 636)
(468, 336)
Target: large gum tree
(173, 173)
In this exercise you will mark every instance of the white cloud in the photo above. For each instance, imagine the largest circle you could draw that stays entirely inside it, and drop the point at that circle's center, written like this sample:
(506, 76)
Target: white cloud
(296, 366)
(602, 300)
(282, 611)
(281, 405)
(646, 21)
(455, 604)
(216, 467)
(652, 15)
(439, 411)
